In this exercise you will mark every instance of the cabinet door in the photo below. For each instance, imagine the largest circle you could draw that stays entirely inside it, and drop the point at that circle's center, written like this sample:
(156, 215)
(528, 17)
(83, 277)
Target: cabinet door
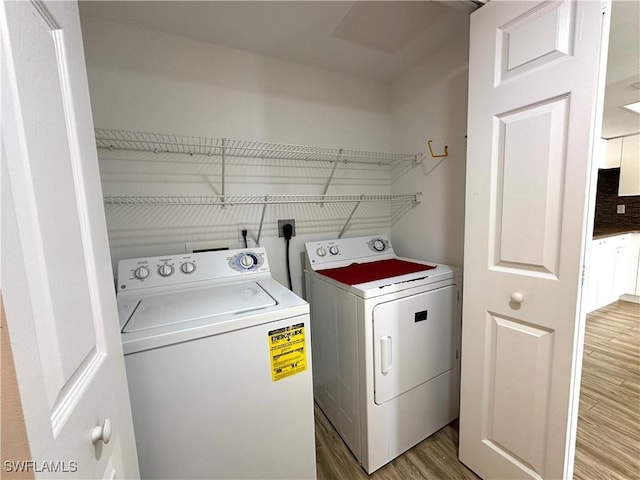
(606, 273)
(630, 166)
(622, 266)
(613, 153)
(637, 278)
(633, 272)
(593, 274)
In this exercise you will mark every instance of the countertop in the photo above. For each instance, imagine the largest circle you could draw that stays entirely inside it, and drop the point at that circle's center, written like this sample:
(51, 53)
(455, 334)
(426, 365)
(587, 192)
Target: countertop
(613, 231)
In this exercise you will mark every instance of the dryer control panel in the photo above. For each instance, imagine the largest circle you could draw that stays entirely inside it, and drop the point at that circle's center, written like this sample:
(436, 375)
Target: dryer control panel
(344, 251)
(137, 273)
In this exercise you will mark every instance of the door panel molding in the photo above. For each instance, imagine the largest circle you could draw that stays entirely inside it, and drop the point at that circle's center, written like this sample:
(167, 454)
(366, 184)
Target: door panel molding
(516, 347)
(529, 185)
(518, 55)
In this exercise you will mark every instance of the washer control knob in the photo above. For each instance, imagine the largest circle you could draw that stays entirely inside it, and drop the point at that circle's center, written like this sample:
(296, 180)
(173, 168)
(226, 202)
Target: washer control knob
(188, 267)
(246, 261)
(141, 273)
(379, 245)
(321, 251)
(165, 270)
(333, 250)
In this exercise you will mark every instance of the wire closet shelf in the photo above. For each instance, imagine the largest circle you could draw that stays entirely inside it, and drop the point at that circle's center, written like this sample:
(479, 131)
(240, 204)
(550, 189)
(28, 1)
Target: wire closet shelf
(209, 146)
(255, 199)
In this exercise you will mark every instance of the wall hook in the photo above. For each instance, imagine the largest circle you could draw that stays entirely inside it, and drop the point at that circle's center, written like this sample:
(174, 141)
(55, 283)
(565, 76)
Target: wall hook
(445, 154)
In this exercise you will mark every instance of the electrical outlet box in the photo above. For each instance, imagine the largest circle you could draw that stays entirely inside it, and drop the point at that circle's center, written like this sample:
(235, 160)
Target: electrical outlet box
(282, 223)
(621, 208)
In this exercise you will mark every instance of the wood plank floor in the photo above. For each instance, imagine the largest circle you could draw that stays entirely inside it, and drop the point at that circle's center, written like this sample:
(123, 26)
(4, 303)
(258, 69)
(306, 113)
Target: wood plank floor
(434, 458)
(608, 445)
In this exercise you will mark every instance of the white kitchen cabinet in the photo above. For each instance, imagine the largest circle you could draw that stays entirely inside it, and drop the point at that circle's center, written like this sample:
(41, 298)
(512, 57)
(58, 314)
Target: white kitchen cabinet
(613, 153)
(632, 286)
(621, 266)
(630, 166)
(606, 272)
(623, 153)
(590, 287)
(612, 271)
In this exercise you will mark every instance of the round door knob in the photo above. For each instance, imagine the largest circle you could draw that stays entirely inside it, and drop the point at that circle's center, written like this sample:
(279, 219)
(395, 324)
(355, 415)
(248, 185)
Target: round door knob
(187, 267)
(321, 252)
(334, 250)
(517, 297)
(102, 432)
(141, 272)
(165, 270)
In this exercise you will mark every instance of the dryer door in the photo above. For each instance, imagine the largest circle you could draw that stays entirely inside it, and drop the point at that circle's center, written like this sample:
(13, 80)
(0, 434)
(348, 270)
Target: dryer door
(414, 340)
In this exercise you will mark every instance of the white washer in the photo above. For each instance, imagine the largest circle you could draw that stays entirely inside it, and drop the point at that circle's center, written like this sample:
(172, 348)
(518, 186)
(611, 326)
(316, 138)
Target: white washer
(386, 344)
(218, 360)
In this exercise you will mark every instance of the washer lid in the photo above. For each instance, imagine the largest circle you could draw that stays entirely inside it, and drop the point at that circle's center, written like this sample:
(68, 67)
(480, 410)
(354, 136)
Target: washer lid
(192, 304)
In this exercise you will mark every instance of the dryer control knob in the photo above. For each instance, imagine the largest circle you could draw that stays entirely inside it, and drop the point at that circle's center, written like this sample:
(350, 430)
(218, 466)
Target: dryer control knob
(188, 267)
(333, 250)
(379, 245)
(321, 252)
(246, 261)
(141, 273)
(165, 270)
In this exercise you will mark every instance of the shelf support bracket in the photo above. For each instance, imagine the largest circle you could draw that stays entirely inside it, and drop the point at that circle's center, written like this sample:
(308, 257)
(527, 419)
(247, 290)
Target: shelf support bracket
(346, 224)
(264, 209)
(333, 170)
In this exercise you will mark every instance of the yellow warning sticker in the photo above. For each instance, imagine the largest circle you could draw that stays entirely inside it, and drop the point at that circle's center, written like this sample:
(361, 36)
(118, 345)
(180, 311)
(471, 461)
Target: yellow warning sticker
(287, 350)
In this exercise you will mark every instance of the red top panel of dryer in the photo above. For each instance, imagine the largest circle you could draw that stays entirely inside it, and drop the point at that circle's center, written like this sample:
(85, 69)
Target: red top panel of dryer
(357, 273)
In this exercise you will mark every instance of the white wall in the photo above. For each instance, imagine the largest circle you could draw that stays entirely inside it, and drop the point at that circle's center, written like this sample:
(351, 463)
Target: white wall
(142, 79)
(150, 81)
(430, 103)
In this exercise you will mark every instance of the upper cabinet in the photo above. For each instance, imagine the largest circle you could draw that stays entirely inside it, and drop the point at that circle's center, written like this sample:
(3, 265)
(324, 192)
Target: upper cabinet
(613, 153)
(623, 153)
(630, 166)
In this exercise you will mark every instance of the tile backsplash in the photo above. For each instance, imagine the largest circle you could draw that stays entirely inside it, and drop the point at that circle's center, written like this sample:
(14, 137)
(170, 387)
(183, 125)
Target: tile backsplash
(607, 200)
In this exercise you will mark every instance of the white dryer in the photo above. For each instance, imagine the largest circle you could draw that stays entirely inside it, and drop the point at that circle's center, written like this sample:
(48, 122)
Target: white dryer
(218, 363)
(386, 344)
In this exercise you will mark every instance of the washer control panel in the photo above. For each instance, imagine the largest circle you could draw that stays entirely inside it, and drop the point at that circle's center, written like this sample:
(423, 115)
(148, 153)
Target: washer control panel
(183, 268)
(348, 250)
(246, 261)
(378, 245)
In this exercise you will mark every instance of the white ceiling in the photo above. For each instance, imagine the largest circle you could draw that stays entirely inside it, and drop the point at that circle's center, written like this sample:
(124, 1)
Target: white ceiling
(375, 40)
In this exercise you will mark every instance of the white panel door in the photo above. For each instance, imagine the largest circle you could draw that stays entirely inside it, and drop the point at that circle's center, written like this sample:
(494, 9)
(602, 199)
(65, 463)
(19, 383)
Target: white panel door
(534, 92)
(56, 271)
